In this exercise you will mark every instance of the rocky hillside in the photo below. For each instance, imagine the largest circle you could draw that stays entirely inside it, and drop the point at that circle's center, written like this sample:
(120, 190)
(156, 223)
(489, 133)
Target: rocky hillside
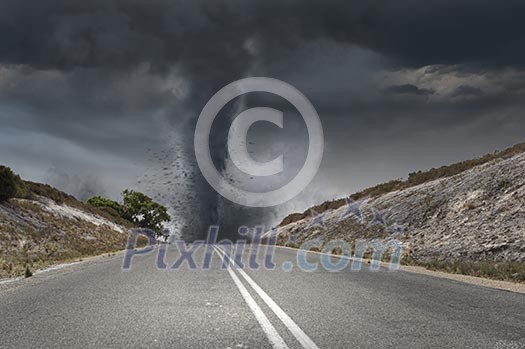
(471, 222)
(53, 227)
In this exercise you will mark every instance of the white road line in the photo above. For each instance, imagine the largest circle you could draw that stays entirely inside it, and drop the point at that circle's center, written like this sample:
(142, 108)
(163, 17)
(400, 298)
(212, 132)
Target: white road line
(298, 333)
(273, 336)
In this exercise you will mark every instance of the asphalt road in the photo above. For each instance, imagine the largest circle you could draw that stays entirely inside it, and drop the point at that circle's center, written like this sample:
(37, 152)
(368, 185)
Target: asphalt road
(96, 304)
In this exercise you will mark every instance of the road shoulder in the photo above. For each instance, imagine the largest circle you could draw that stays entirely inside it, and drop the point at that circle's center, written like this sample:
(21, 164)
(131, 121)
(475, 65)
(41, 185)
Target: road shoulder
(473, 280)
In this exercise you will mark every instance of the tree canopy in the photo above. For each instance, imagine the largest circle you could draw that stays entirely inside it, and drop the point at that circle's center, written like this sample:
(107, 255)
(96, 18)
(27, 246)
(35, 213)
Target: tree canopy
(140, 209)
(136, 208)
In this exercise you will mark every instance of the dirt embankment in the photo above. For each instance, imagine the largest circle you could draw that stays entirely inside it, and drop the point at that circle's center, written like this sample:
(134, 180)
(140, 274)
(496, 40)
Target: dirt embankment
(472, 222)
(40, 232)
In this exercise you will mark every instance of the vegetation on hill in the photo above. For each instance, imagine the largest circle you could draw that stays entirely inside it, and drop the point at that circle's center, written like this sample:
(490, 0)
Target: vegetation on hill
(104, 204)
(11, 185)
(414, 178)
(49, 192)
(137, 208)
(8, 183)
(60, 198)
(35, 234)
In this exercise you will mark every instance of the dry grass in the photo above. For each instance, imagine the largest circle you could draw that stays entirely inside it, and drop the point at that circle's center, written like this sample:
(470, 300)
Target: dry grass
(38, 238)
(505, 271)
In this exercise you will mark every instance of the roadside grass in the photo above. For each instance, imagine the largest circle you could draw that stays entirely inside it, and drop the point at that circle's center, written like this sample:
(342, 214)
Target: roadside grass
(505, 271)
(14, 264)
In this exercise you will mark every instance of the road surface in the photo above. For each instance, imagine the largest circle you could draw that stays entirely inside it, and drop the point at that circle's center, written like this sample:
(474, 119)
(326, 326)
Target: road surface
(96, 305)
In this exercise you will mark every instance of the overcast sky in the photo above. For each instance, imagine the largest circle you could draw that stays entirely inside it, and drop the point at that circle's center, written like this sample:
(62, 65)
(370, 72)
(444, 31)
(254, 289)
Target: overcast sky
(98, 96)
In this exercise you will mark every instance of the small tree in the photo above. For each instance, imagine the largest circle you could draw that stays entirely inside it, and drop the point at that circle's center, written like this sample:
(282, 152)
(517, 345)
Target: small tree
(143, 211)
(10, 184)
(28, 273)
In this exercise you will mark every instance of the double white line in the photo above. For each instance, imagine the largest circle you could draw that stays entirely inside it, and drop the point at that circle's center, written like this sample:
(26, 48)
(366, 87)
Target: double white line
(273, 336)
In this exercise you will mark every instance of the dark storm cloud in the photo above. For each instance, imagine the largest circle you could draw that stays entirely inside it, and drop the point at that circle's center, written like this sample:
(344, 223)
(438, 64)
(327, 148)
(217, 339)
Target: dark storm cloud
(120, 33)
(117, 77)
(408, 89)
(466, 90)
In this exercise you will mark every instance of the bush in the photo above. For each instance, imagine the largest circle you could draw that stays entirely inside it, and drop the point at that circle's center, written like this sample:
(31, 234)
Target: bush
(28, 272)
(49, 192)
(101, 202)
(10, 184)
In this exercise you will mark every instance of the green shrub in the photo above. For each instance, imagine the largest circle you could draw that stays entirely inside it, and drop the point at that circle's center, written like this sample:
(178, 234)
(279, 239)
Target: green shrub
(101, 202)
(11, 185)
(28, 272)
